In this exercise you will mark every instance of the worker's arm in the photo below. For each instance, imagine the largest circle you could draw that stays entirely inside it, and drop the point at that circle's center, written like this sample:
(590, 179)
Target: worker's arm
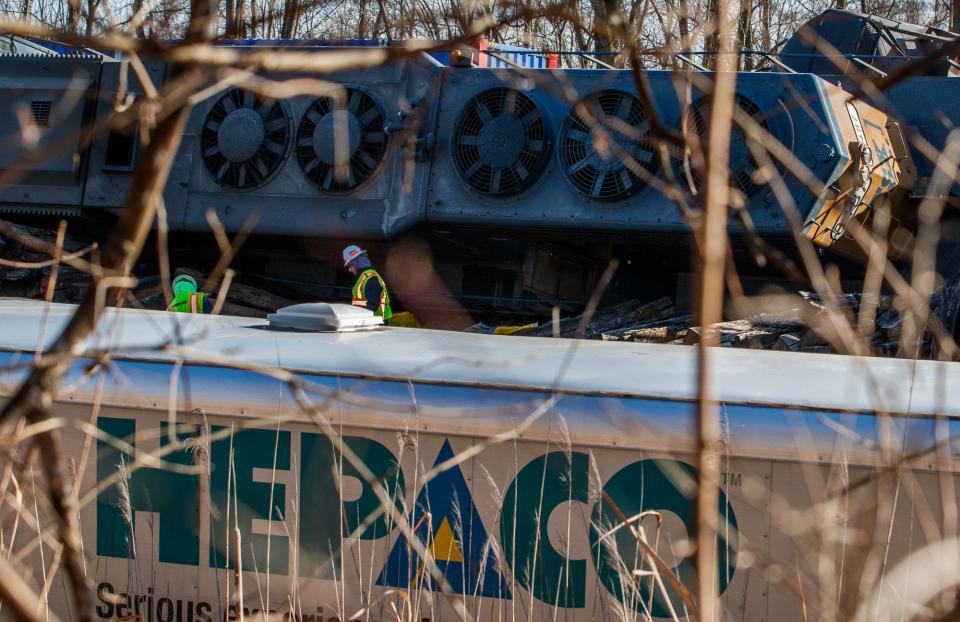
(372, 291)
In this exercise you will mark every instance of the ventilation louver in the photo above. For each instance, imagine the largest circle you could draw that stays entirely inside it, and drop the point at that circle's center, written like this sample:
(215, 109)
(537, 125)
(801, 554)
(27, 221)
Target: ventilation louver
(605, 148)
(40, 110)
(743, 166)
(501, 143)
(244, 139)
(340, 145)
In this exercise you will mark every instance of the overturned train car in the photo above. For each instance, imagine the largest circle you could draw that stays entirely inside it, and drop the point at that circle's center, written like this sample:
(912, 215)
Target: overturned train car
(527, 470)
(522, 154)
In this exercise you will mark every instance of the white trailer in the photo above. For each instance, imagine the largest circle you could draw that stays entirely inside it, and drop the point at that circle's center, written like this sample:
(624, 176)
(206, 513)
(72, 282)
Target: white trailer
(527, 469)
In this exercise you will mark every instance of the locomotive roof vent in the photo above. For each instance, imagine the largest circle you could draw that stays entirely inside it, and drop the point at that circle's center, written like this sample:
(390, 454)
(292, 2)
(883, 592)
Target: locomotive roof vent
(743, 166)
(324, 317)
(604, 146)
(341, 141)
(501, 142)
(245, 139)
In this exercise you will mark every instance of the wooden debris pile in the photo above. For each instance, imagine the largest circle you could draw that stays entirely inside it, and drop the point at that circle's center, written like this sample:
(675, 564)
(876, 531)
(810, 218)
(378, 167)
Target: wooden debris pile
(242, 300)
(628, 314)
(25, 271)
(794, 329)
(760, 333)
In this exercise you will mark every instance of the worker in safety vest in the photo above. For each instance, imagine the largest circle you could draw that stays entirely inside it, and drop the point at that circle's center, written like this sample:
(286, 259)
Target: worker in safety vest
(370, 291)
(186, 298)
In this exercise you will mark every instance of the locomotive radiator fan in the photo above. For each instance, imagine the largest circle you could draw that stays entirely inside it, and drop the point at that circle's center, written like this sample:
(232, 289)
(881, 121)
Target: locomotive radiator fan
(743, 166)
(501, 143)
(340, 145)
(245, 138)
(605, 147)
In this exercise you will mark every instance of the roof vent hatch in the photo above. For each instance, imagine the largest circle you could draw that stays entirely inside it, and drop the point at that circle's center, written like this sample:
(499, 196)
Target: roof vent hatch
(324, 317)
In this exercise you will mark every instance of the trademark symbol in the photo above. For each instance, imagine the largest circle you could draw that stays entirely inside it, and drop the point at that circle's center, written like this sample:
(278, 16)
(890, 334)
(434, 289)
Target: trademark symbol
(731, 479)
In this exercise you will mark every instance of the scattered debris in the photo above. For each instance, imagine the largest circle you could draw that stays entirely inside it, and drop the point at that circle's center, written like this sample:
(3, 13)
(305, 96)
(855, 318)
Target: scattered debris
(628, 314)
(25, 272)
(792, 330)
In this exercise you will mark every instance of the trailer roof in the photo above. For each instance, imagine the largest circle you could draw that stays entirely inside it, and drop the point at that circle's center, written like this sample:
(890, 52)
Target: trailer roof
(580, 366)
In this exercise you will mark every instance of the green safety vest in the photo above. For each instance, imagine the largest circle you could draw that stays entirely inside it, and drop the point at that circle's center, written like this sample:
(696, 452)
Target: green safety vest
(360, 293)
(188, 303)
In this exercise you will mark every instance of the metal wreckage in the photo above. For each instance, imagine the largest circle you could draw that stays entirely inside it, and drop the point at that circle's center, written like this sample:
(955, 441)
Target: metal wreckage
(374, 489)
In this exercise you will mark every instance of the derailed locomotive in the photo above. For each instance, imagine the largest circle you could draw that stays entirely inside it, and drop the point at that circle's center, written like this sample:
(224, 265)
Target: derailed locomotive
(542, 174)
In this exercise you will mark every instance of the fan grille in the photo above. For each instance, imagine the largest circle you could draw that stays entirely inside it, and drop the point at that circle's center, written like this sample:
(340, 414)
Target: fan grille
(501, 143)
(743, 166)
(599, 139)
(244, 139)
(340, 144)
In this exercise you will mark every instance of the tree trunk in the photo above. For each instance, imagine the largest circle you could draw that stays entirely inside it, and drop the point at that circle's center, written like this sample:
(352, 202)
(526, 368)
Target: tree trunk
(380, 21)
(955, 15)
(270, 12)
(765, 17)
(291, 18)
(73, 15)
(684, 24)
(33, 401)
(141, 32)
(91, 16)
(745, 34)
(711, 42)
(230, 29)
(638, 16)
(362, 20)
(604, 12)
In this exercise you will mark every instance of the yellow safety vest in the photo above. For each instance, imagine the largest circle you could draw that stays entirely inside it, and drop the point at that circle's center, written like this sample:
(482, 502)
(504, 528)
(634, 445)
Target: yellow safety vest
(189, 303)
(360, 293)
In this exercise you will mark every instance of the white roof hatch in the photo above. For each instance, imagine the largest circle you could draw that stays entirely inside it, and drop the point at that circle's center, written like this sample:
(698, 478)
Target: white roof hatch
(324, 316)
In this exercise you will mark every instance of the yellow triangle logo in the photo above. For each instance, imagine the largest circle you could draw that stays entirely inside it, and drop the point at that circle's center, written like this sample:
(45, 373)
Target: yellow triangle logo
(444, 547)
